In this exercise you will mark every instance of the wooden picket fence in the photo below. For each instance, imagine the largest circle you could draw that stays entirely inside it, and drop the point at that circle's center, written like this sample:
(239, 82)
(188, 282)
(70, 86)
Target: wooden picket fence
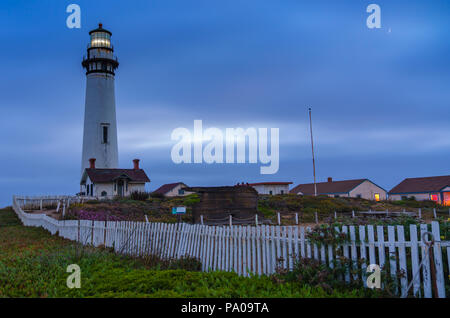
(261, 249)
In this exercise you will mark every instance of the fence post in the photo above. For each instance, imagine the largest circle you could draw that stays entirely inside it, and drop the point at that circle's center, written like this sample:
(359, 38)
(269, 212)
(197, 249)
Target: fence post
(335, 215)
(231, 220)
(278, 216)
(434, 213)
(64, 209)
(104, 231)
(420, 213)
(57, 207)
(256, 219)
(201, 219)
(296, 218)
(40, 205)
(317, 218)
(353, 214)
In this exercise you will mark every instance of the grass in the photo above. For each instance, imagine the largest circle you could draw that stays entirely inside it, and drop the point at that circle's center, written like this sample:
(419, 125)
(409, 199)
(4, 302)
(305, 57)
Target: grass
(33, 264)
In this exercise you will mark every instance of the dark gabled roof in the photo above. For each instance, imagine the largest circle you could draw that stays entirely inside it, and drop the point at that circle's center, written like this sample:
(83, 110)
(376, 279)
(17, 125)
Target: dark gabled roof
(420, 185)
(108, 175)
(344, 186)
(270, 183)
(167, 187)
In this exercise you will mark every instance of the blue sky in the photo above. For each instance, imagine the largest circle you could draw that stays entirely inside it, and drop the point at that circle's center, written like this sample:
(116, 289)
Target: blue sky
(380, 97)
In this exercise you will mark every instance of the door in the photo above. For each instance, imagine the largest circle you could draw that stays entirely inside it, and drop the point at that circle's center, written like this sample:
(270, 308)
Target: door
(120, 188)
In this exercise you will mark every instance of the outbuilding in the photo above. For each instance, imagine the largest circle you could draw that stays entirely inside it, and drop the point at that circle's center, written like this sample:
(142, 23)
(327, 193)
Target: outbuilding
(357, 188)
(173, 189)
(271, 188)
(436, 189)
(108, 183)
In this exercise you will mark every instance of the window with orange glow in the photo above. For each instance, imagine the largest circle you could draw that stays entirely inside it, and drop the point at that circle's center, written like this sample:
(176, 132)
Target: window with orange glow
(434, 197)
(377, 197)
(447, 198)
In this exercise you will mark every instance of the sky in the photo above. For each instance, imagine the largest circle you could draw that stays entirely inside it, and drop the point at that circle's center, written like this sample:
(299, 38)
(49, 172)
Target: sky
(379, 97)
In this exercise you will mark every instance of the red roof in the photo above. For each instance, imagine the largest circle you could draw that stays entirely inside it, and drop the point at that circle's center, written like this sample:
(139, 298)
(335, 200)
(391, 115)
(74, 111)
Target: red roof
(421, 185)
(343, 186)
(109, 175)
(270, 183)
(167, 187)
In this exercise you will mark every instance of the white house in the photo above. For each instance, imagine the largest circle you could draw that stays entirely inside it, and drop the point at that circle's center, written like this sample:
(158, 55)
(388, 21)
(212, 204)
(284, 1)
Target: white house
(271, 188)
(358, 188)
(108, 183)
(173, 189)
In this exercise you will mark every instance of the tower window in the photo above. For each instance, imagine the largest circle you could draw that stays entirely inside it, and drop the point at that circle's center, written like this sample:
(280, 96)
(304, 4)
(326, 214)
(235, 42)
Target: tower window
(105, 137)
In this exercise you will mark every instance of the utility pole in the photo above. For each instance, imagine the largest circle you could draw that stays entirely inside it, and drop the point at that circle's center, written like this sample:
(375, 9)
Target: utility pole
(312, 148)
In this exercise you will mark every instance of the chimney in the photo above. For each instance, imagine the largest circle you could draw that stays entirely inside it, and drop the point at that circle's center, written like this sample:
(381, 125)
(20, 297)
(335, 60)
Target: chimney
(330, 179)
(136, 164)
(92, 163)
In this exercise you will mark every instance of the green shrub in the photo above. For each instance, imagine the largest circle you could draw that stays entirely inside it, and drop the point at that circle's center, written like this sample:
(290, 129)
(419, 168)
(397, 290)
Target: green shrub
(191, 199)
(139, 196)
(157, 195)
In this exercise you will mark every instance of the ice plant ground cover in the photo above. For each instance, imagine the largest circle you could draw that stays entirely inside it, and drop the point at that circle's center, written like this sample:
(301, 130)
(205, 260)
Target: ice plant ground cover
(94, 216)
(33, 264)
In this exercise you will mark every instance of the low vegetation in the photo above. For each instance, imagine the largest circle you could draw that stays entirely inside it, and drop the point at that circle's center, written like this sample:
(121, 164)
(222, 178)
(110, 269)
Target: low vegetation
(33, 264)
(325, 206)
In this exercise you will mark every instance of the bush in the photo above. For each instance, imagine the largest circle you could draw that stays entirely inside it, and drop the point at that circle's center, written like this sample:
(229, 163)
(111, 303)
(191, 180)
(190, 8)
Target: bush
(185, 263)
(157, 195)
(311, 272)
(139, 196)
(191, 199)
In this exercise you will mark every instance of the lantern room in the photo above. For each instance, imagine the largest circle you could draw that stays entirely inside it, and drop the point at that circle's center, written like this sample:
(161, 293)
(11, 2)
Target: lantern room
(100, 37)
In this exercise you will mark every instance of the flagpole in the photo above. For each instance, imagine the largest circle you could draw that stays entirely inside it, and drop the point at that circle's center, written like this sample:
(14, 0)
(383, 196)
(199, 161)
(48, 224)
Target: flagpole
(312, 148)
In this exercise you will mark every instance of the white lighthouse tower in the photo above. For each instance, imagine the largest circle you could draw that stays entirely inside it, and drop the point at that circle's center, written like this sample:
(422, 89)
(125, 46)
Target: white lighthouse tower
(100, 127)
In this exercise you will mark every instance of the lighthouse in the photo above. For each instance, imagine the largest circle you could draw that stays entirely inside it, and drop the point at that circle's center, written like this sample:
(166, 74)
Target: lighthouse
(100, 127)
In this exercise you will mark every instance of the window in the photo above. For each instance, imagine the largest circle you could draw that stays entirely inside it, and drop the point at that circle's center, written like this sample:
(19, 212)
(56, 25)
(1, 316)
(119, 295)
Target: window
(105, 134)
(270, 192)
(180, 191)
(404, 197)
(282, 191)
(104, 194)
(87, 189)
(434, 197)
(336, 195)
(359, 196)
(377, 197)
